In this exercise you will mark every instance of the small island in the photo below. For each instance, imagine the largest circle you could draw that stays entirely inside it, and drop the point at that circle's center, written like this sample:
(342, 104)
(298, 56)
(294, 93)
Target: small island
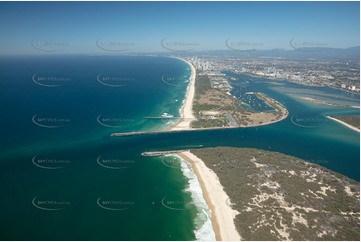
(273, 196)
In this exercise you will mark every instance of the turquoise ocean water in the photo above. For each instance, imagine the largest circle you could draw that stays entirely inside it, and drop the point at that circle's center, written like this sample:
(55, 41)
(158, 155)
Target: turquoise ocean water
(64, 178)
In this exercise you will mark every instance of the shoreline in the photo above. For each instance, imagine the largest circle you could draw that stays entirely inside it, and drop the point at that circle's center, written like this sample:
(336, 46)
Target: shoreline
(301, 84)
(170, 130)
(289, 204)
(222, 215)
(186, 111)
(178, 128)
(316, 101)
(187, 116)
(343, 123)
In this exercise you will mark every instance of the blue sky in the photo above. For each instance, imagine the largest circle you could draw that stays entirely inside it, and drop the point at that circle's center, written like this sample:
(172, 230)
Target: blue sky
(99, 27)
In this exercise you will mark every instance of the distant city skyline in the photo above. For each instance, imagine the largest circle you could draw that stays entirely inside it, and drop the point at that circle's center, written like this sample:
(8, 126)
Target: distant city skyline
(146, 27)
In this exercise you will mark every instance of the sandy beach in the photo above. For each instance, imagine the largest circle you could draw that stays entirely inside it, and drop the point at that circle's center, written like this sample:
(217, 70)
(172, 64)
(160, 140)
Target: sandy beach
(214, 195)
(186, 112)
(343, 123)
(187, 108)
(313, 100)
(216, 199)
(187, 116)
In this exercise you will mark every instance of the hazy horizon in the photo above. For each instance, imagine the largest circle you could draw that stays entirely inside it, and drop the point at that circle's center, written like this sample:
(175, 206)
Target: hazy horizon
(150, 27)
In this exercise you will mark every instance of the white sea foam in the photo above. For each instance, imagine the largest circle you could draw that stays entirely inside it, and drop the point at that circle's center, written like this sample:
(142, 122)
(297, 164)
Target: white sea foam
(204, 230)
(167, 115)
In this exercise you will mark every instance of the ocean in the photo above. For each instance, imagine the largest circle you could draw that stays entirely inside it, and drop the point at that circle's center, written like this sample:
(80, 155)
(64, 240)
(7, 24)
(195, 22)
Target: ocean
(63, 177)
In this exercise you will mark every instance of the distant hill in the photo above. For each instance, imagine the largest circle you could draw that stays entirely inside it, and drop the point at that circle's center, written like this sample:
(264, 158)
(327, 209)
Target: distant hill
(322, 53)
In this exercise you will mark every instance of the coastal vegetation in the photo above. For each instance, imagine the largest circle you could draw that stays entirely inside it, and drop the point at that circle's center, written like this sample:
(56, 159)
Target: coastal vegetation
(280, 197)
(218, 108)
(351, 120)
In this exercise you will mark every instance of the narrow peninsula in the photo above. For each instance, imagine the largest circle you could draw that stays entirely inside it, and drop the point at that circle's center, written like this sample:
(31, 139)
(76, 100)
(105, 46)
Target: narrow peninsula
(209, 106)
(352, 122)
